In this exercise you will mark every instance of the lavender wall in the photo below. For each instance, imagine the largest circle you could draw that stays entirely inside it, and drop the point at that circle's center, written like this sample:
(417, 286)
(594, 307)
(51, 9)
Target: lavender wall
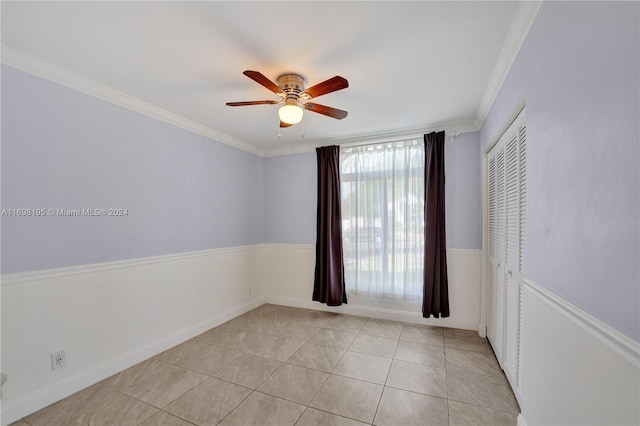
(64, 149)
(463, 191)
(290, 200)
(578, 72)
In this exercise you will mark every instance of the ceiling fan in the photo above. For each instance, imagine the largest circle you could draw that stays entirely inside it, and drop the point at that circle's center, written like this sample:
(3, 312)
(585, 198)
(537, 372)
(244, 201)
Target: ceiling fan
(290, 87)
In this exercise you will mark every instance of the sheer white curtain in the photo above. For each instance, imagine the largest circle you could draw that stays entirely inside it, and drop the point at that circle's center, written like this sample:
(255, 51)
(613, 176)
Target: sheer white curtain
(383, 219)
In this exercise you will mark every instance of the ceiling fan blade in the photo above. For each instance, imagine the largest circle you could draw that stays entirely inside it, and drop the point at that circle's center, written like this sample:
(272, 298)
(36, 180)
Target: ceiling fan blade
(259, 78)
(252, 103)
(283, 124)
(325, 110)
(333, 84)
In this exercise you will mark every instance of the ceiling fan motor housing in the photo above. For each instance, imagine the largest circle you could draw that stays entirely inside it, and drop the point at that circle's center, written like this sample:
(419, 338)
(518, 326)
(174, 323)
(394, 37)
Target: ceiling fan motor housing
(292, 85)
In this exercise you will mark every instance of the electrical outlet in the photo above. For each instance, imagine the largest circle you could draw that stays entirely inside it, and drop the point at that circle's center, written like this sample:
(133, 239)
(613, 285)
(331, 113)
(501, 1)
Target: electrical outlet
(58, 360)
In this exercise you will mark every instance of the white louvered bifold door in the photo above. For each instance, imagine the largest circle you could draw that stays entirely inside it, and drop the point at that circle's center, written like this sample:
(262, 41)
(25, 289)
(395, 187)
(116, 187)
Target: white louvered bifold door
(500, 254)
(506, 231)
(522, 164)
(493, 250)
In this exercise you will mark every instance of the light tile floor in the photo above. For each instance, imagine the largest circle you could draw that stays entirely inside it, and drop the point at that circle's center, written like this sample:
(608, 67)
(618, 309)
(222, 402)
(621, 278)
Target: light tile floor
(277, 365)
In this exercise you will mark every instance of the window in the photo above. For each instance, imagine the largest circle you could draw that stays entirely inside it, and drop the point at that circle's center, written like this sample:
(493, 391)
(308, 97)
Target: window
(383, 219)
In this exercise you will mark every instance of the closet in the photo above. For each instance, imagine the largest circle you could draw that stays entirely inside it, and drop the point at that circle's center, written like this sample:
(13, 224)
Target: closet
(506, 196)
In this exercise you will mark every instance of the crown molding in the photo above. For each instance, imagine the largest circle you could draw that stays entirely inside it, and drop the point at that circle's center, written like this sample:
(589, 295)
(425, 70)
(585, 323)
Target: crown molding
(523, 19)
(454, 128)
(32, 65)
(522, 22)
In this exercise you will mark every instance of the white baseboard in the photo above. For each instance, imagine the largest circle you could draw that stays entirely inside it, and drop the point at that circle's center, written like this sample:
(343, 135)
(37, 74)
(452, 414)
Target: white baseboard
(481, 327)
(41, 398)
(290, 282)
(520, 421)
(373, 312)
(110, 316)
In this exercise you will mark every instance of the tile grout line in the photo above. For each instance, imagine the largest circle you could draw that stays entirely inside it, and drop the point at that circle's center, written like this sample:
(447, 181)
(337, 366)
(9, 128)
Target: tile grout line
(267, 378)
(446, 377)
(384, 386)
(292, 317)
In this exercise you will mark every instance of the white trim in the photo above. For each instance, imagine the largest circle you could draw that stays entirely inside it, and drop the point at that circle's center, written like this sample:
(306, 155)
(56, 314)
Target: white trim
(624, 346)
(30, 402)
(32, 65)
(520, 421)
(525, 15)
(310, 146)
(371, 312)
(453, 251)
(455, 127)
(300, 147)
(27, 63)
(288, 246)
(456, 251)
(522, 22)
(482, 322)
(515, 114)
(34, 401)
(45, 274)
(293, 287)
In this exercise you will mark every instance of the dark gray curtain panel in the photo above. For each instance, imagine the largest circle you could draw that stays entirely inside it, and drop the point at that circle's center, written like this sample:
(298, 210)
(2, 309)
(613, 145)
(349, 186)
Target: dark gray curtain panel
(328, 284)
(436, 288)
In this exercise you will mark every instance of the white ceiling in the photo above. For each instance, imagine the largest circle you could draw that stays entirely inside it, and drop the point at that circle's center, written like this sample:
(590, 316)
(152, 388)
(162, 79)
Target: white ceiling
(411, 66)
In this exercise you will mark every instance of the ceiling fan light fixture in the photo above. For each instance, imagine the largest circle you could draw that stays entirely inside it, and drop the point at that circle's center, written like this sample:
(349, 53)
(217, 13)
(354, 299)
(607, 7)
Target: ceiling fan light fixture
(291, 112)
(290, 87)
